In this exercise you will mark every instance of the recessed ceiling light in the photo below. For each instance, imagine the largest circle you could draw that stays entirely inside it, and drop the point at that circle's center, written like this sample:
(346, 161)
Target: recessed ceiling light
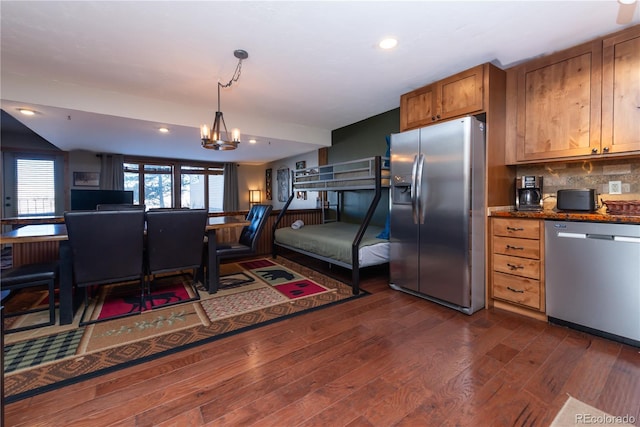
(627, 1)
(163, 130)
(388, 43)
(26, 111)
(252, 141)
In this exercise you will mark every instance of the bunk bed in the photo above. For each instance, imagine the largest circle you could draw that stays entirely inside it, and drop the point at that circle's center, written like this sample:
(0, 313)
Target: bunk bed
(348, 245)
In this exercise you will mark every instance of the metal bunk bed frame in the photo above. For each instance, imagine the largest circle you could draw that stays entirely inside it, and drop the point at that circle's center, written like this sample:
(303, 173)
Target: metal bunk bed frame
(322, 184)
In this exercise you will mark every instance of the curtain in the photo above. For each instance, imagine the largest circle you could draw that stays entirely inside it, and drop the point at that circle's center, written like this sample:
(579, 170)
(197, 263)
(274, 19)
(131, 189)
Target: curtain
(230, 201)
(112, 172)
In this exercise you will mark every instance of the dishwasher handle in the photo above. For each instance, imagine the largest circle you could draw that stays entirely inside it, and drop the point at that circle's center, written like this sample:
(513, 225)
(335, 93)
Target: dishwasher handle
(609, 237)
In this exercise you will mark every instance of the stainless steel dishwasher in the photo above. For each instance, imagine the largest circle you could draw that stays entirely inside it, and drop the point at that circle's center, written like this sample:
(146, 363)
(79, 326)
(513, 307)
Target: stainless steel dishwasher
(592, 274)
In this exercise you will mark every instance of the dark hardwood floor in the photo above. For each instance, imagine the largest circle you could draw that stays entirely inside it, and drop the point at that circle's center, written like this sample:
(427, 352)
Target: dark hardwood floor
(383, 360)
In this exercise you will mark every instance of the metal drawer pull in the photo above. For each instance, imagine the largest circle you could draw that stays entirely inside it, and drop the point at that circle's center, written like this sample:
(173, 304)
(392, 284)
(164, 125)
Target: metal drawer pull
(515, 290)
(515, 228)
(518, 248)
(514, 267)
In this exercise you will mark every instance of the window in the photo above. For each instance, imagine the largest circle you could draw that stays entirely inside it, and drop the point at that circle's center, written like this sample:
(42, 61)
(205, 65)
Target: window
(132, 180)
(152, 184)
(216, 192)
(162, 185)
(158, 187)
(202, 187)
(192, 187)
(35, 187)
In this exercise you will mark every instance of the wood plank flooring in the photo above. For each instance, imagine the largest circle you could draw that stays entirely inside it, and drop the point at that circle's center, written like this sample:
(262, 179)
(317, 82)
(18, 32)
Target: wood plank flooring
(388, 359)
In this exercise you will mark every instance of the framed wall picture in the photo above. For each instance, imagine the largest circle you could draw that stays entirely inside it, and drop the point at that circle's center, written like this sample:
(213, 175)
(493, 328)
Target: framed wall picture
(268, 184)
(301, 165)
(283, 184)
(86, 179)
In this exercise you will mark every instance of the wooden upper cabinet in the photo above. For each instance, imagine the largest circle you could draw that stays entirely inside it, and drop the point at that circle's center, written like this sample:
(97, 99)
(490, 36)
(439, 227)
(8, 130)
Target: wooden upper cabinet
(417, 108)
(558, 105)
(580, 103)
(621, 92)
(455, 96)
(461, 94)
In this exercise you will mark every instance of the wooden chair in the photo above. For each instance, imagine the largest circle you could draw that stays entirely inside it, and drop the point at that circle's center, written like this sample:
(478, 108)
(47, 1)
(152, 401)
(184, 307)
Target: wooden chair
(106, 247)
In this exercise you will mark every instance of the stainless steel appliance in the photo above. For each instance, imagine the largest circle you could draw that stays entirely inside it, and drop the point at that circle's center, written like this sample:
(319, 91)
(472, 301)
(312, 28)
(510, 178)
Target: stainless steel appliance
(593, 277)
(437, 213)
(578, 199)
(529, 193)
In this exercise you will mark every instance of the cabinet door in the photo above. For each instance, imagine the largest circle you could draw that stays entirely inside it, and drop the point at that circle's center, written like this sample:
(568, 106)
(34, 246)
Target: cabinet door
(621, 92)
(417, 108)
(558, 100)
(460, 94)
(455, 96)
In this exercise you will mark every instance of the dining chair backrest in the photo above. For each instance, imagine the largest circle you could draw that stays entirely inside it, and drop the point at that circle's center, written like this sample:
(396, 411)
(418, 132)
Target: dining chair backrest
(119, 207)
(106, 246)
(251, 233)
(175, 239)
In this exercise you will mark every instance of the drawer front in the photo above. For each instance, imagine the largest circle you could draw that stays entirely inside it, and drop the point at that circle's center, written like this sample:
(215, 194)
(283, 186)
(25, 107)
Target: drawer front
(525, 248)
(516, 289)
(517, 266)
(526, 229)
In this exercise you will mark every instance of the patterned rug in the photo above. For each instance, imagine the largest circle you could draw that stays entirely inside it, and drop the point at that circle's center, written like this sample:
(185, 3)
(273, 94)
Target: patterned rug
(252, 294)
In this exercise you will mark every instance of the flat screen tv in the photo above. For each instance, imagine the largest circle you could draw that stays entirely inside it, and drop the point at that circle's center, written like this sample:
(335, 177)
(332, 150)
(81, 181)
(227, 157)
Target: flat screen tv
(87, 200)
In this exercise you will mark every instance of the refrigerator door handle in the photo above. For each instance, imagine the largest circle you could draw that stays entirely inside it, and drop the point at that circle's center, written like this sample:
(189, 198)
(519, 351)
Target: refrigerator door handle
(420, 197)
(414, 169)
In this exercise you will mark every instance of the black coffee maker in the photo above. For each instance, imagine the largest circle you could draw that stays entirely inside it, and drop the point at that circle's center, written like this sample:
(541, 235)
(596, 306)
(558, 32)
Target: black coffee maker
(529, 193)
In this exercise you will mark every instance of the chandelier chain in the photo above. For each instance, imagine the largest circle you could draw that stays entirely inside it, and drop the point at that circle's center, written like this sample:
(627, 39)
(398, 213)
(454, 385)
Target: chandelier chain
(235, 77)
(218, 138)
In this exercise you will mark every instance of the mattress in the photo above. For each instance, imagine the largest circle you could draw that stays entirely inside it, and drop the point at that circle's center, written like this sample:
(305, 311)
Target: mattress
(333, 240)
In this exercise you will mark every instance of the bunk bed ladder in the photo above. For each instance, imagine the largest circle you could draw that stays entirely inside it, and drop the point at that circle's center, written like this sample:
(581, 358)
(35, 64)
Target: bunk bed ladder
(275, 225)
(355, 261)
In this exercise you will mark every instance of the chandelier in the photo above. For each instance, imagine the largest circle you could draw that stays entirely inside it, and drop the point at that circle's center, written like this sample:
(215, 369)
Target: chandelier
(218, 138)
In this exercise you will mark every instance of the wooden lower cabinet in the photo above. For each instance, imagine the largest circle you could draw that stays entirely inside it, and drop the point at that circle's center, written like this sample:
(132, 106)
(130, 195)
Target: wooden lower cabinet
(517, 266)
(517, 290)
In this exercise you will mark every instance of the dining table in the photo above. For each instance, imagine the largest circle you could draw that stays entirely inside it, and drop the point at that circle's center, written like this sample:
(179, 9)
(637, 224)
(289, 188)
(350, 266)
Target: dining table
(58, 232)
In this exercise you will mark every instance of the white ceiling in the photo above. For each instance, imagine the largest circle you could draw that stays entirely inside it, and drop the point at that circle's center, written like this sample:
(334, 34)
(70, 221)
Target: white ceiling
(105, 75)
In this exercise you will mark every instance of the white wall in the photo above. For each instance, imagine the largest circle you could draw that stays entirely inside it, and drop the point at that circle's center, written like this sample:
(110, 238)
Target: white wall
(250, 178)
(311, 159)
(83, 161)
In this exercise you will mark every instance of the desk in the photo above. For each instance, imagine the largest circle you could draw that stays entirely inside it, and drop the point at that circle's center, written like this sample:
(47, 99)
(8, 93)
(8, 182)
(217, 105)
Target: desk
(58, 232)
(36, 233)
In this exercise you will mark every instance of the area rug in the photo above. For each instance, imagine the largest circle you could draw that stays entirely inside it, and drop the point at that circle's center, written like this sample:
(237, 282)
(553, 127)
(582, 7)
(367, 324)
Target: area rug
(575, 413)
(252, 294)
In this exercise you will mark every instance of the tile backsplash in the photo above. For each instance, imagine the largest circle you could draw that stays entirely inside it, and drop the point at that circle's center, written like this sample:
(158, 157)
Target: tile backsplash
(588, 174)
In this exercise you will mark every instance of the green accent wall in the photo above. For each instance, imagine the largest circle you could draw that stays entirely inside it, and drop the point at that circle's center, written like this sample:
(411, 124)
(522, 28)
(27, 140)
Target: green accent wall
(366, 138)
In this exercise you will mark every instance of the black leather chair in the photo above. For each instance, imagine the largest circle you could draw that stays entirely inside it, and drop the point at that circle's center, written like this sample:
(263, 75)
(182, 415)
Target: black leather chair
(248, 240)
(27, 276)
(106, 247)
(174, 243)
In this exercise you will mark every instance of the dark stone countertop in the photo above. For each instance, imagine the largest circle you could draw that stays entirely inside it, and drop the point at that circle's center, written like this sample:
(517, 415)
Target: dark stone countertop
(597, 216)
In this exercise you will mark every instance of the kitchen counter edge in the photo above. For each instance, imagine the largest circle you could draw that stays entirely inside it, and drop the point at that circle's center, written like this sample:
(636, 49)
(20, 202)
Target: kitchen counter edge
(567, 216)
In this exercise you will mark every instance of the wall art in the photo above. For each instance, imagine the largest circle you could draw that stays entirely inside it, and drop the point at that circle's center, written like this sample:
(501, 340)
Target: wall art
(268, 184)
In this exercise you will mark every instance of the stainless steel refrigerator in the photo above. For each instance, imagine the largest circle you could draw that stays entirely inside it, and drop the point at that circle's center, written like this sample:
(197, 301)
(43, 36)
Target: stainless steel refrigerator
(437, 213)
